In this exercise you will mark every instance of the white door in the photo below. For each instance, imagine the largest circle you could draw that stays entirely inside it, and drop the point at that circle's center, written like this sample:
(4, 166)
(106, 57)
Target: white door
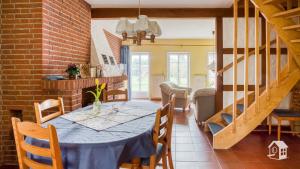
(139, 75)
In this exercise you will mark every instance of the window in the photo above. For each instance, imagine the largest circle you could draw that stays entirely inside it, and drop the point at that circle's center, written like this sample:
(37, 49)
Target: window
(211, 74)
(139, 75)
(179, 68)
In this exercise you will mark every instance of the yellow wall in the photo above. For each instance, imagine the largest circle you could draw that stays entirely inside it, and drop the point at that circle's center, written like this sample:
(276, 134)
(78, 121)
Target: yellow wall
(198, 50)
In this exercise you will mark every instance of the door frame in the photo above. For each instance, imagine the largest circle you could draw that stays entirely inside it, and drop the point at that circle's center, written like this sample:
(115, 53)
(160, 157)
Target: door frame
(149, 76)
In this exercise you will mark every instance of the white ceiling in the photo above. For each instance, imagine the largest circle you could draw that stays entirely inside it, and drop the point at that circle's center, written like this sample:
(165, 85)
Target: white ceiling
(172, 28)
(160, 3)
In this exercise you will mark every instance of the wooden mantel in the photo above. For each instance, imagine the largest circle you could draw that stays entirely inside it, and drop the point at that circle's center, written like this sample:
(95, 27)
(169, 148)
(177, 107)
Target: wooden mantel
(76, 84)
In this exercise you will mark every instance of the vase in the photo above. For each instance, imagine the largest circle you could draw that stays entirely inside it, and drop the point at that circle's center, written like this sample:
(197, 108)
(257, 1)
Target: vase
(72, 76)
(97, 107)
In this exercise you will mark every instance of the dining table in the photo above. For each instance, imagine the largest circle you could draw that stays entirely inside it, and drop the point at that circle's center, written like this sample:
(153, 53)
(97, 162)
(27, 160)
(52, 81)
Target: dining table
(104, 139)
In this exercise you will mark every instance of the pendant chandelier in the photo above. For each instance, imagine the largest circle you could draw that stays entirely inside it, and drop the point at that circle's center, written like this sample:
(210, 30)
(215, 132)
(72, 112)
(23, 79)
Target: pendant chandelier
(142, 29)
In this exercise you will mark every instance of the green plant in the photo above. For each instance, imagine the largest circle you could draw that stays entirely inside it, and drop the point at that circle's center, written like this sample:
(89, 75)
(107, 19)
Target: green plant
(73, 69)
(98, 90)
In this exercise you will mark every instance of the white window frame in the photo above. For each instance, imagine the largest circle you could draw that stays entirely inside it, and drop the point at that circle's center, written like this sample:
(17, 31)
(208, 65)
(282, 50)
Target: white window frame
(189, 65)
(215, 77)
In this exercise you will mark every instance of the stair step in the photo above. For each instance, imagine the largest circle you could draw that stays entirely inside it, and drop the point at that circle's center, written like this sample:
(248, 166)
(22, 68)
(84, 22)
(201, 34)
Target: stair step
(292, 27)
(273, 1)
(240, 107)
(214, 127)
(295, 41)
(288, 13)
(227, 118)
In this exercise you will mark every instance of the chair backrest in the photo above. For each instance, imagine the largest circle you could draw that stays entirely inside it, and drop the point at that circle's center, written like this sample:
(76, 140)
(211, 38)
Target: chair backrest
(110, 95)
(33, 130)
(48, 104)
(171, 117)
(162, 125)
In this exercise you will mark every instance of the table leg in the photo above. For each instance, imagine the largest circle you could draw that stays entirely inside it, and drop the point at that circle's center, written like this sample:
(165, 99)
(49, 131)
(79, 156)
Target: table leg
(279, 129)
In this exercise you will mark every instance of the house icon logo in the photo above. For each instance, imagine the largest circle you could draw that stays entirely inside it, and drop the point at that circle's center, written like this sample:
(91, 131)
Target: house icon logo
(278, 150)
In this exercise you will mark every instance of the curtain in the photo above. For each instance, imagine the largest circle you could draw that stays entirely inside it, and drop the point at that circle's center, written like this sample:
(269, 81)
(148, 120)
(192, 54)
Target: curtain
(125, 59)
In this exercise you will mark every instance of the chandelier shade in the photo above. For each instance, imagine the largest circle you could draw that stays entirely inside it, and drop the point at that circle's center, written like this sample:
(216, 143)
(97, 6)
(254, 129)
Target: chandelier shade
(142, 29)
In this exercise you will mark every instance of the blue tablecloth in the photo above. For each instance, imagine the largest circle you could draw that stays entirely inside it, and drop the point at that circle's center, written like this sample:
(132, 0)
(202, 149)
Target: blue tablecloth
(85, 148)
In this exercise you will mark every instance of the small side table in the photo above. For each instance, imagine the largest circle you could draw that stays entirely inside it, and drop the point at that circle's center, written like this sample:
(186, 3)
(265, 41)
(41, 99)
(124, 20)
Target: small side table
(283, 114)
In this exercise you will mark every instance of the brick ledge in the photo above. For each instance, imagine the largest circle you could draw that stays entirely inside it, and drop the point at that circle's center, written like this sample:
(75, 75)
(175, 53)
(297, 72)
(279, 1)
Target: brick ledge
(60, 85)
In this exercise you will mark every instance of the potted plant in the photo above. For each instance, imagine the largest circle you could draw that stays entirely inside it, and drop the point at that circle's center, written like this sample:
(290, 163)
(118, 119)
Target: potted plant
(97, 94)
(73, 70)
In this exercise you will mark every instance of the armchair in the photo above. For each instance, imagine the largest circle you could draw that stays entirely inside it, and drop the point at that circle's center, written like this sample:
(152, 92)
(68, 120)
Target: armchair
(181, 94)
(203, 104)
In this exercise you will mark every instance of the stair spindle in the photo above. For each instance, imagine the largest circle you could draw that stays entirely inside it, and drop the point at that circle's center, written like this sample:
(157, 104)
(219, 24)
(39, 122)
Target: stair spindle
(268, 62)
(257, 60)
(278, 60)
(246, 54)
(235, 34)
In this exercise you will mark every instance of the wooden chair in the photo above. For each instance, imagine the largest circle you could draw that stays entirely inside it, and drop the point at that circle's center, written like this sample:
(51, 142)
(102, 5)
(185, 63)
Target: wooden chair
(33, 130)
(171, 116)
(283, 114)
(47, 104)
(161, 139)
(113, 93)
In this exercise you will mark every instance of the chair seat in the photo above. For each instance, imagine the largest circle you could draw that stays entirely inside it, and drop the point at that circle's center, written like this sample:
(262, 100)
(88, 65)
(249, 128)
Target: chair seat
(159, 150)
(286, 113)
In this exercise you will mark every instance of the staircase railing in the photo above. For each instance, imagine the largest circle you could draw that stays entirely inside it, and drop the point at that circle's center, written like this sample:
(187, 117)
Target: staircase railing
(258, 63)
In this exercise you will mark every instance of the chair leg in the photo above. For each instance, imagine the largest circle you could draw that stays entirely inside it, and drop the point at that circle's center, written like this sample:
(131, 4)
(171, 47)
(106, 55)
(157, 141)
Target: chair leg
(279, 130)
(270, 124)
(170, 160)
(164, 161)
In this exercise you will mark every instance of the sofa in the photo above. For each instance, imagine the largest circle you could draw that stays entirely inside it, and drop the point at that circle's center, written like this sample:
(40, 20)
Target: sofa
(203, 104)
(181, 94)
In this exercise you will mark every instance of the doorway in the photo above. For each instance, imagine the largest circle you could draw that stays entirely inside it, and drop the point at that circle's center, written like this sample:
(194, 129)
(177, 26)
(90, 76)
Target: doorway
(139, 75)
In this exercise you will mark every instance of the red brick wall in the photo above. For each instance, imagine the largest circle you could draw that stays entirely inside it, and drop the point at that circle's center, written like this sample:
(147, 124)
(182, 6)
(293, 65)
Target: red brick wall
(115, 44)
(66, 34)
(38, 38)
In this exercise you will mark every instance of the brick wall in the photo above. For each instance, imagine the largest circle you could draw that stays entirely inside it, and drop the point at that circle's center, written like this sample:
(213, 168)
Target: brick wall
(66, 34)
(38, 37)
(115, 44)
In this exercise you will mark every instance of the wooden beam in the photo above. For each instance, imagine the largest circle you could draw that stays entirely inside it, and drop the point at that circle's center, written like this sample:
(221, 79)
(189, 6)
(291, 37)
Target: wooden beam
(241, 50)
(219, 77)
(98, 13)
(239, 87)
(278, 59)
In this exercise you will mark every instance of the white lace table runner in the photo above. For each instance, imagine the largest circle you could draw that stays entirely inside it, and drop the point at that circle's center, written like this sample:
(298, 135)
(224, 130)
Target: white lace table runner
(112, 114)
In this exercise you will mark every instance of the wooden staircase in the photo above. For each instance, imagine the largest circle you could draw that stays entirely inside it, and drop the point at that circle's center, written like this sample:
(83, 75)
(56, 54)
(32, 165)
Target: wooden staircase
(236, 121)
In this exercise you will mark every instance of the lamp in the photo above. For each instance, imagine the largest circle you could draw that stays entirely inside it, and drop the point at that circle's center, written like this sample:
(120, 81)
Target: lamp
(139, 30)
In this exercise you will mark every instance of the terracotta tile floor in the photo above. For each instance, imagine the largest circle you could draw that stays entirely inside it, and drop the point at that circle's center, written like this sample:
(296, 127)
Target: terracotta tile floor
(192, 149)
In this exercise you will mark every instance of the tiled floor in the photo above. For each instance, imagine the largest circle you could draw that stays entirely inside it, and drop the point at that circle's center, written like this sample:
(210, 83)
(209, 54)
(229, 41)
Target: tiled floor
(192, 149)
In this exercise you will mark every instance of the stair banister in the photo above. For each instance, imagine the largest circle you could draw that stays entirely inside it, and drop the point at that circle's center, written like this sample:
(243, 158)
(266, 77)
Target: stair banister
(278, 59)
(246, 57)
(235, 34)
(268, 59)
(257, 60)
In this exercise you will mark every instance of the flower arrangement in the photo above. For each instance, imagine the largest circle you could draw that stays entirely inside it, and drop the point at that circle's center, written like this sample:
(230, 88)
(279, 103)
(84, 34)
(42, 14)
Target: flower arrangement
(97, 94)
(73, 70)
(98, 90)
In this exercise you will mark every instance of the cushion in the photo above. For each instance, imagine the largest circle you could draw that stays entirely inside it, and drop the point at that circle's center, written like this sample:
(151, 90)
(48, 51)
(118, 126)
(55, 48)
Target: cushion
(286, 113)
(159, 150)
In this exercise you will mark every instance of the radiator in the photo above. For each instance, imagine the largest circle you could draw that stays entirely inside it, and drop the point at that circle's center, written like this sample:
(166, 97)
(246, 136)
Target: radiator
(156, 80)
